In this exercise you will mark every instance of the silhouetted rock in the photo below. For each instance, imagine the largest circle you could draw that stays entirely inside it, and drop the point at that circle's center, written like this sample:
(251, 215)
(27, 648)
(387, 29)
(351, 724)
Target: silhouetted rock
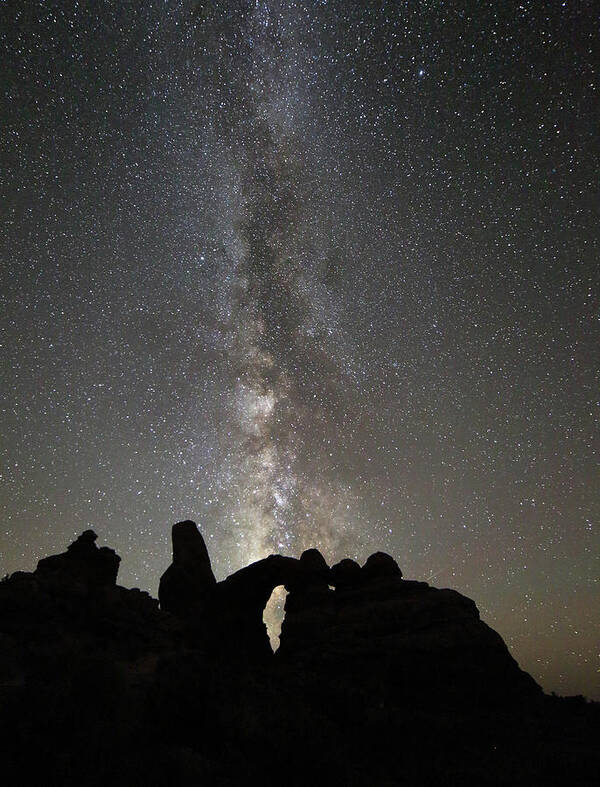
(311, 574)
(252, 585)
(380, 565)
(381, 681)
(84, 545)
(241, 600)
(188, 584)
(346, 574)
(314, 566)
(401, 636)
(83, 567)
(190, 550)
(73, 597)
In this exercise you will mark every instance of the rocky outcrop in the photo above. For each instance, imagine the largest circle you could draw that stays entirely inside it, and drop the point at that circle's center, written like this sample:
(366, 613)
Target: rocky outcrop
(402, 637)
(83, 566)
(378, 680)
(367, 620)
(380, 565)
(227, 617)
(389, 633)
(241, 598)
(73, 597)
(240, 601)
(346, 574)
(187, 585)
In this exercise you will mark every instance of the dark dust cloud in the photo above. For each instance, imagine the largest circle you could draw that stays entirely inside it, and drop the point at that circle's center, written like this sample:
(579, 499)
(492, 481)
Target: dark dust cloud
(312, 274)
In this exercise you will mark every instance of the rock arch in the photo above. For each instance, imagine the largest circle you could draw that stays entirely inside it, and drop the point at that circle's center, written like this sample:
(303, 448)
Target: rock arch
(231, 612)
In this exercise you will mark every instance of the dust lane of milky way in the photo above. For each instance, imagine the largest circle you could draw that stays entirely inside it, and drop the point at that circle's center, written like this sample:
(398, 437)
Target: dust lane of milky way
(312, 274)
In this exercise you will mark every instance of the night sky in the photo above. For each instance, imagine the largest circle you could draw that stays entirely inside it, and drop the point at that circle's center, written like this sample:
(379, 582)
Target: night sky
(311, 274)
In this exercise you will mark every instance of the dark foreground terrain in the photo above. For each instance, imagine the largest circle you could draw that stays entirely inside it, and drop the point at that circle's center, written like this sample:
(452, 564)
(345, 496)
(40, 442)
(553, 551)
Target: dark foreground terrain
(378, 680)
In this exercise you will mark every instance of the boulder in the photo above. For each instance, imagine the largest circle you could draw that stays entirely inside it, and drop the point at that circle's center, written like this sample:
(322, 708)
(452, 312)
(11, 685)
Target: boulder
(346, 574)
(314, 566)
(311, 573)
(380, 565)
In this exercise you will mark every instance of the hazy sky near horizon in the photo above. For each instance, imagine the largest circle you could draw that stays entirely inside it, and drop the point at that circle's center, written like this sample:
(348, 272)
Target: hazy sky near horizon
(311, 274)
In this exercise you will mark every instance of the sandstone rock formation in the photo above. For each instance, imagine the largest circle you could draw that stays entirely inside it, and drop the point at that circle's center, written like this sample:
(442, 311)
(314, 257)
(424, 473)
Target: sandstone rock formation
(345, 574)
(189, 581)
(379, 565)
(228, 616)
(83, 565)
(403, 637)
(378, 680)
(73, 596)
(420, 640)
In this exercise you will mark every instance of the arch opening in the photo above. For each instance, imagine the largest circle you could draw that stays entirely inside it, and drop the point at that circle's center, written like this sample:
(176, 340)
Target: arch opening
(273, 615)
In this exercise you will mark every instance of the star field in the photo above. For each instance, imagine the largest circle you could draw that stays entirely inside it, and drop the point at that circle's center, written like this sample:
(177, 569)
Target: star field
(311, 274)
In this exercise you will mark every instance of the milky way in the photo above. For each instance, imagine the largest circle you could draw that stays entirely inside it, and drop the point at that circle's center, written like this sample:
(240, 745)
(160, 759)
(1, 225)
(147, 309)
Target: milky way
(279, 336)
(311, 274)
